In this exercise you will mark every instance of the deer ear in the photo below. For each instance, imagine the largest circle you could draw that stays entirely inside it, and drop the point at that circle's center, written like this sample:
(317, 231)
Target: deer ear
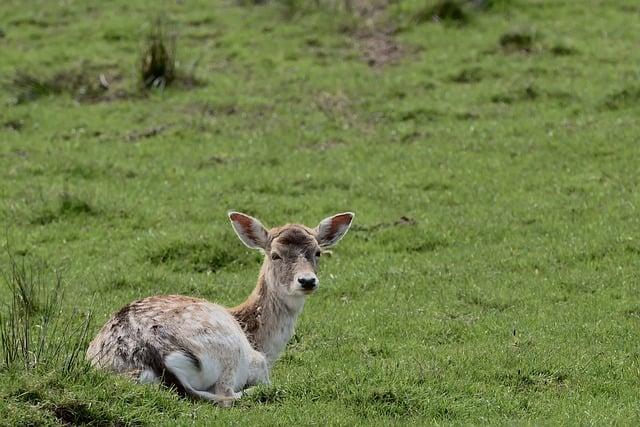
(249, 230)
(332, 229)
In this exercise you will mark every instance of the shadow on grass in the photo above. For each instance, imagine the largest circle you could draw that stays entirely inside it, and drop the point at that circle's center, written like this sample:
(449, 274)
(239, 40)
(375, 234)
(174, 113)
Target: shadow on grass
(201, 257)
(66, 206)
(534, 380)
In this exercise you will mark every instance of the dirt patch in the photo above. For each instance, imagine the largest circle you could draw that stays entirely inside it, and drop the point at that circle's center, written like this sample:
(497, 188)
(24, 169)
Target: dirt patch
(150, 132)
(86, 83)
(379, 47)
(375, 38)
(337, 107)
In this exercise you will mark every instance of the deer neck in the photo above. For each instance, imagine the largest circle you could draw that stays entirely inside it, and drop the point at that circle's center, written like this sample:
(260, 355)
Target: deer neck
(268, 320)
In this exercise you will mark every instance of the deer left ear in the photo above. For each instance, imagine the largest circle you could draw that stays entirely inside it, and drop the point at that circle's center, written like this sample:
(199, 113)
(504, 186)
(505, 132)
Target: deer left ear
(332, 229)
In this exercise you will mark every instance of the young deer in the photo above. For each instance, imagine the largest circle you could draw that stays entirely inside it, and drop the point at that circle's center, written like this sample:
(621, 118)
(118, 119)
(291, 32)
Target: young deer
(205, 350)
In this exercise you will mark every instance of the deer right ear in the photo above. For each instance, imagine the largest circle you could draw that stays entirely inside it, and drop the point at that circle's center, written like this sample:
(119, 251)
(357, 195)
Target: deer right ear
(332, 229)
(249, 230)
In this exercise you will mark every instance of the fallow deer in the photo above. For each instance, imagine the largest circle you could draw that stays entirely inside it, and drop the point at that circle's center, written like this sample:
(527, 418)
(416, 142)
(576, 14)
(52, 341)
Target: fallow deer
(205, 350)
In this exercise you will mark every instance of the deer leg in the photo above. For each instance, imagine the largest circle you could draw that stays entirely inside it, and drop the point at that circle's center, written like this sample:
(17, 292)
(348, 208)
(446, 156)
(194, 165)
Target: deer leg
(184, 370)
(225, 391)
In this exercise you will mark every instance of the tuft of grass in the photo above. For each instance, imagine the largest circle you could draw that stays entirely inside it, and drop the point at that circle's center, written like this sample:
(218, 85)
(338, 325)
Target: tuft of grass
(67, 205)
(625, 98)
(34, 332)
(528, 93)
(158, 62)
(518, 41)
(29, 87)
(562, 49)
(468, 75)
(266, 394)
(448, 11)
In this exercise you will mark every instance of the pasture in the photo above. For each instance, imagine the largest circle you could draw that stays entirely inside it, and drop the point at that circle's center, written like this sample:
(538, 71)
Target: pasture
(490, 156)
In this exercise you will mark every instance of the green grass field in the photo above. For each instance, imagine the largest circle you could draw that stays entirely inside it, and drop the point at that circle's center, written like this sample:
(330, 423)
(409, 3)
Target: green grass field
(491, 275)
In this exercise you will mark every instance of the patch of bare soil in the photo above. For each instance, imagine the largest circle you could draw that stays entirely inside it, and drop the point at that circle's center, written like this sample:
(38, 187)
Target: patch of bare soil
(135, 136)
(375, 39)
(379, 47)
(86, 83)
(336, 106)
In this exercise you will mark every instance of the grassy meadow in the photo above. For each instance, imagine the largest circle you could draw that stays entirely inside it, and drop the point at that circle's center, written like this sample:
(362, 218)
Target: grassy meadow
(490, 153)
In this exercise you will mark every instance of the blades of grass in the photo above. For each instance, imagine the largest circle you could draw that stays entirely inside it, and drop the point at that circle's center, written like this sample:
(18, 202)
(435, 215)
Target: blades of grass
(80, 335)
(35, 333)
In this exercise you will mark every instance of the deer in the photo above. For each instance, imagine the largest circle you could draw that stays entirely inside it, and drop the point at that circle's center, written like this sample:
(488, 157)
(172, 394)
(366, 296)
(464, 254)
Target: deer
(206, 351)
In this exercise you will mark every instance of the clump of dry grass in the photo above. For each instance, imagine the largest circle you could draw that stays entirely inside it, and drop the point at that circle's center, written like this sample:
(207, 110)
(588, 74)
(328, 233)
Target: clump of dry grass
(158, 64)
(159, 67)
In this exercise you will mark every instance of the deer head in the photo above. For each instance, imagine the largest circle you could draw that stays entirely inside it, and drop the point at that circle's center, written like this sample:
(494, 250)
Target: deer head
(291, 252)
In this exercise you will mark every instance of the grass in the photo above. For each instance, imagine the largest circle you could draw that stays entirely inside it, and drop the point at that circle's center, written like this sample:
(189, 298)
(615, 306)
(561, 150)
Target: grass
(491, 275)
(33, 334)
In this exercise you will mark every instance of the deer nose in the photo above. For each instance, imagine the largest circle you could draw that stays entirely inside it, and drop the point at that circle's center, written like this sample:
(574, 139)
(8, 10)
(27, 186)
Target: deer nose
(307, 283)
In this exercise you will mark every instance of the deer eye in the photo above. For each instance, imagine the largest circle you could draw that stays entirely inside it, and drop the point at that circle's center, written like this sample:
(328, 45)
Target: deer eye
(318, 254)
(275, 256)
